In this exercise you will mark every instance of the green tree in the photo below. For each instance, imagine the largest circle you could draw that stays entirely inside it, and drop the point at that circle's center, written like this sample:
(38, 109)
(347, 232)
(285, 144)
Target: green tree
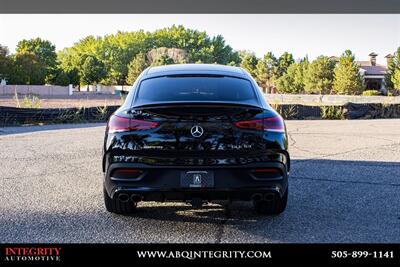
(116, 51)
(5, 63)
(199, 45)
(392, 78)
(347, 78)
(61, 78)
(319, 76)
(284, 61)
(391, 67)
(266, 70)
(293, 80)
(396, 79)
(137, 65)
(45, 53)
(27, 69)
(248, 62)
(162, 60)
(68, 63)
(93, 70)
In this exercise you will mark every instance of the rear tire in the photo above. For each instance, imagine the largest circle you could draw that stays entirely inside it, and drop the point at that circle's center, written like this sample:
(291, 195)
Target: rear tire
(114, 205)
(272, 207)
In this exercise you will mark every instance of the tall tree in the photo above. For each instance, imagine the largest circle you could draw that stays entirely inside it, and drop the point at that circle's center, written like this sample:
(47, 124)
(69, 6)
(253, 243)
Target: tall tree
(45, 54)
(347, 78)
(5, 63)
(248, 62)
(93, 70)
(116, 51)
(293, 80)
(162, 60)
(396, 79)
(319, 76)
(392, 78)
(27, 69)
(284, 61)
(266, 70)
(137, 65)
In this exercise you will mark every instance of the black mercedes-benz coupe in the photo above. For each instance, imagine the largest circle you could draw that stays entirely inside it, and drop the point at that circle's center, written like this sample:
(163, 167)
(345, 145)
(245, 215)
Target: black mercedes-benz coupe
(195, 133)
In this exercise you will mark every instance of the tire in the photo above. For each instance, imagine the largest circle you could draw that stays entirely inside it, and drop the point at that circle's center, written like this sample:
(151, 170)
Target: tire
(272, 207)
(114, 205)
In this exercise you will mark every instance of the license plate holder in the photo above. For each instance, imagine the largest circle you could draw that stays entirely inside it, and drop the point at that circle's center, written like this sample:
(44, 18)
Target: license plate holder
(197, 179)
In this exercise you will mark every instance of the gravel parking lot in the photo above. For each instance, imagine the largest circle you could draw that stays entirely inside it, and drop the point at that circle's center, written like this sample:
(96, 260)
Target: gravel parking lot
(344, 187)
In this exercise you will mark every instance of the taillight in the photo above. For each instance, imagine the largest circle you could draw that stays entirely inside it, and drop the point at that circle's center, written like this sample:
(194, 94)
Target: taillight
(251, 125)
(266, 173)
(274, 124)
(270, 124)
(266, 170)
(127, 173)
(120, 124)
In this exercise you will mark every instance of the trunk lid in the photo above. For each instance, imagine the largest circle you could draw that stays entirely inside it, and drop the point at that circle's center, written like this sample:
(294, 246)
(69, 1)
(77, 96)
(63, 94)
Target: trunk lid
(197, 129)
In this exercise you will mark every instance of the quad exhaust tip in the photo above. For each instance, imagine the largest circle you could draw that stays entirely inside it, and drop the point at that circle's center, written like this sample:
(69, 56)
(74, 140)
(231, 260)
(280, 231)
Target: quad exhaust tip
(123, 197)
(269, 197)
(136, 198)
(257, 197)
(265, 197)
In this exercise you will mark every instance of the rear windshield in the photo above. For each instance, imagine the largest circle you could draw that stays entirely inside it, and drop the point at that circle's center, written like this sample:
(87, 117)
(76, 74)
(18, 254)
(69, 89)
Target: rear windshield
(184, 88)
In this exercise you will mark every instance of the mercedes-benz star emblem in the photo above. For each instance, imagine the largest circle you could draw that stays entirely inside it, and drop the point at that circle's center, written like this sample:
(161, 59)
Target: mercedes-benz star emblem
(196, 131)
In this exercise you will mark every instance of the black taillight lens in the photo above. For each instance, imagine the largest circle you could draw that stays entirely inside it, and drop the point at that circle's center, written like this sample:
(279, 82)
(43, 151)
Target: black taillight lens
(126, 173)
(121, 124)
(270, 124)
(265, 173)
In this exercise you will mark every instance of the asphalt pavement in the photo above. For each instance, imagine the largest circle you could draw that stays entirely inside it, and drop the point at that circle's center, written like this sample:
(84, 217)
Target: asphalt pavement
(344, 187)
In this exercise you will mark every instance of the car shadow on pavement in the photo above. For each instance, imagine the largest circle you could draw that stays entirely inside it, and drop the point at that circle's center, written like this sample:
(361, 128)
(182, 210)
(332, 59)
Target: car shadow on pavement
(329, 201)
(209, 213)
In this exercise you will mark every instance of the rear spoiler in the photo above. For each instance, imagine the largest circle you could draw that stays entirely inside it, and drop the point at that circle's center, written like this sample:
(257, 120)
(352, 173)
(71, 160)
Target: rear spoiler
(195, 103)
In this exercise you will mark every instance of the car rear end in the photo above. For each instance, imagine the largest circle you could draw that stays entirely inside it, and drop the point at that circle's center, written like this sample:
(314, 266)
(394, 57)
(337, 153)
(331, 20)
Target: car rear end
(195, 138)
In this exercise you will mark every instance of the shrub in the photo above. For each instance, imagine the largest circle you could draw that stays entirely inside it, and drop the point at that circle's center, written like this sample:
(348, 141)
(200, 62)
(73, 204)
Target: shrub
(331, 112)
(31, 101)
(347, 78)
(393, 92)
(371, 93)
(287, 113)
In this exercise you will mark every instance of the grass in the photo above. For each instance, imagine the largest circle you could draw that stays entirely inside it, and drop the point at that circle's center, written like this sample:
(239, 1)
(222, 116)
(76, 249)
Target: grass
(29, 101)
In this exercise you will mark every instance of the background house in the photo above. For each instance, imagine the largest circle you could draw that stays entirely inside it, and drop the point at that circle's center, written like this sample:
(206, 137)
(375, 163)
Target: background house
(372, 72)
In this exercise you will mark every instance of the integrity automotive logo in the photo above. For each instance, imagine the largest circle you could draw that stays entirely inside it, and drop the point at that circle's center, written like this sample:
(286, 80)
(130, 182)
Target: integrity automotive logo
(31, 254)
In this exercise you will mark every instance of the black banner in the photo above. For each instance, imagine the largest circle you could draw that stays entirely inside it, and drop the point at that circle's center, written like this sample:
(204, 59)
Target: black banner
(200, 254)
(203, 6)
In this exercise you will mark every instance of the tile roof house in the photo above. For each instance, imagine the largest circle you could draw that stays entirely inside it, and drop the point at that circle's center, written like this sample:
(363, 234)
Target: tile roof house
(373, 73)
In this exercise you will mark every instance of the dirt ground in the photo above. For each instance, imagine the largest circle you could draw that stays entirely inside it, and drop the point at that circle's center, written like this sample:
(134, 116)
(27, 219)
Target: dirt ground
(66, 101)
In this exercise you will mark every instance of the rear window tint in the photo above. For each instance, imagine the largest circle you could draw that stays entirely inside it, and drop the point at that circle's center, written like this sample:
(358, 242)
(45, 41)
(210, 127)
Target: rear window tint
(181, 89)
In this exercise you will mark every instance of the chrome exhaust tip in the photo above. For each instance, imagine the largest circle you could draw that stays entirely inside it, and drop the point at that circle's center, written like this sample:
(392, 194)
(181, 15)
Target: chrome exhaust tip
(257, 197)
(123, 197)
(136, 198)
(269, 197)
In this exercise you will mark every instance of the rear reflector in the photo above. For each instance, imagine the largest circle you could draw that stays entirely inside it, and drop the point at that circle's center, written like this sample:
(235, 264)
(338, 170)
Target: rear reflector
(266, 173)
(271, 124)
(120, 124)
(126, 173)
(266, 170)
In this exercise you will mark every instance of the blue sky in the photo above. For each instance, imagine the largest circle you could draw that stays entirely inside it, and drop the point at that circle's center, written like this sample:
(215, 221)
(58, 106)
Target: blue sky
(301, 35)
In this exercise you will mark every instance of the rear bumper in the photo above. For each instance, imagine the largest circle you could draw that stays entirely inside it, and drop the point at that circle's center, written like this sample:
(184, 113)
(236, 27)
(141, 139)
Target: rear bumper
(161, 183)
